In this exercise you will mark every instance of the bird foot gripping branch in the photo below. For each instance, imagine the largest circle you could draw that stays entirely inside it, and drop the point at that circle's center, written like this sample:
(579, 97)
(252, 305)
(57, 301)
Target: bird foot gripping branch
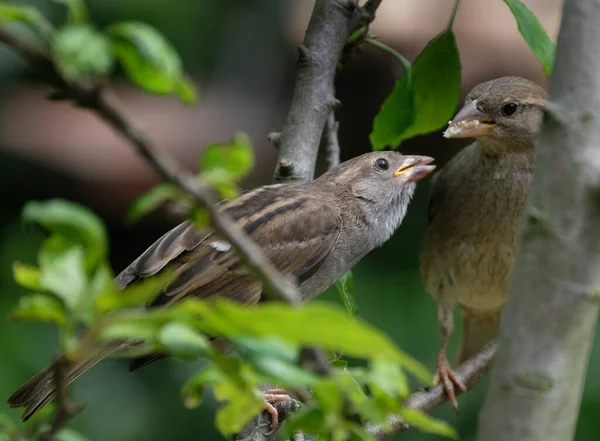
(275, 395)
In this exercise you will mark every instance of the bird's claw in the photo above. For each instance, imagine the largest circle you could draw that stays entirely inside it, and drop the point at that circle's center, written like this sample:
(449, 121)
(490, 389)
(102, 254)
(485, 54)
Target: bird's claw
(450, 381)
(274, 395)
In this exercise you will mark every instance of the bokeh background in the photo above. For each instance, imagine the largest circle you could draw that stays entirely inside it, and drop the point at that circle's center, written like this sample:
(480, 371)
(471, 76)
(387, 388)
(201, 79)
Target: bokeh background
(242, 54)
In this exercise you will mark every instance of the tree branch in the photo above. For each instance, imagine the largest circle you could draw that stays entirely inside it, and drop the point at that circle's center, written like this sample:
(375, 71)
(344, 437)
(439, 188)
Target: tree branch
(331, 23)
(329, 147)
(548, 322)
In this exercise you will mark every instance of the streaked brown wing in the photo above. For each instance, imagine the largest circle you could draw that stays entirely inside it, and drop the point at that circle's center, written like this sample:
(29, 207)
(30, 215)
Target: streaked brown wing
(296, 231)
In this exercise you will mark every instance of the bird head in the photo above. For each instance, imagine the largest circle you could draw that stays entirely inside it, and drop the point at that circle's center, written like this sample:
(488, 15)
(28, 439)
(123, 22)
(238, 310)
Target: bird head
(507, 109)
(382, 183)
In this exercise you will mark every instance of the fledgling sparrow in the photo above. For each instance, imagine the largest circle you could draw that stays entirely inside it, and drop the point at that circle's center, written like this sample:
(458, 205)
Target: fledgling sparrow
(475, 213)
(314, 232)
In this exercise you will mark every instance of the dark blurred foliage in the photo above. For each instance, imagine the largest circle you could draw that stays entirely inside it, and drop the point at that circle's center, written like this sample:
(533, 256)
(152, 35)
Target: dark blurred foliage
(242, 55)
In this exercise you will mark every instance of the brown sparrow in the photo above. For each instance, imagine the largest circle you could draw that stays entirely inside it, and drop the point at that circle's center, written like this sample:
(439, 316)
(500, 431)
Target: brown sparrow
(475, 213)
(314, 232)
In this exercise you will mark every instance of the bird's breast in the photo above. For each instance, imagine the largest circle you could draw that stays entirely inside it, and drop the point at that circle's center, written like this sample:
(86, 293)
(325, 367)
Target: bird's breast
(469, 248)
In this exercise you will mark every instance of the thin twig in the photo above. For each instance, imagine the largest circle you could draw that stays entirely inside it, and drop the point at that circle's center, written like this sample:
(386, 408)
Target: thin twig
(469, 372)
(65, 409)
(330, 145)
(384, 47)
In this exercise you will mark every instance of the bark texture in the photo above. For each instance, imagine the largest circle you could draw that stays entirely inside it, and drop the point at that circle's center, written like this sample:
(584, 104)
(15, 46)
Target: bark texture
(549, 320)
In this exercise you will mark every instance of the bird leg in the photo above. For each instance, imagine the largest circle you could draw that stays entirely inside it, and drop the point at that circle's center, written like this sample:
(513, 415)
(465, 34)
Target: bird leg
(274, 395)
(444, 372)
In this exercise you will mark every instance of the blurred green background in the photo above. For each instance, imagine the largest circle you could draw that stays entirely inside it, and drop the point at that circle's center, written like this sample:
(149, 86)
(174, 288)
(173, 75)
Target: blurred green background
(241, 53)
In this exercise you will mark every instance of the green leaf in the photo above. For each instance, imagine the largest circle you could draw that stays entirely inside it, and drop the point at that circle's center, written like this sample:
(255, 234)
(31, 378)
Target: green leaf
(534, 34)
(182, 341)
(102, 281)
(238, 412)
(316, 323)
(27, 276)
(424, 98)
(186, 90)
(41, 308)
(130, 327)
(68, 434)
(151, 200)
(78, 12)
(27, 15)
(63, 274)
(240, 390)
(73, 222)
(427, 424)
(345, 288)
(328, 395)
(224, 164)
(275, 359)
(193, 391)
(138, 294)
(81, 52)
(149, 60)
(309, 419)
(389, 378)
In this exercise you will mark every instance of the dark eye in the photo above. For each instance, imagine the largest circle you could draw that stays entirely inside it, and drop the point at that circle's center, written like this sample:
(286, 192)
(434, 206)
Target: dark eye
(509, 109)
(382, 164)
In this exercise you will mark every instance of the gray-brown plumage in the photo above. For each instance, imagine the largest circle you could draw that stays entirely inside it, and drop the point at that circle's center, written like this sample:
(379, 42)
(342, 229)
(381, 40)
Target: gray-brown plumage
(475, 213)
(314, 232)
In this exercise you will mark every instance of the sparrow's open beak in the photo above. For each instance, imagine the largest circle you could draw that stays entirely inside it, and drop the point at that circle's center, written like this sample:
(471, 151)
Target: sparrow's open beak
(469, 122)
(414, 168)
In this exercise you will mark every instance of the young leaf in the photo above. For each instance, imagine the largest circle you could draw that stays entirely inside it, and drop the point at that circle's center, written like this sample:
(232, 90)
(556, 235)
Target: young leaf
(424, 98)
(182, 341)
(27, 276)
(27, 15)
(240, 389)
(345, 288)
(316, 323)
(138, 294)
(63, 274)
(427, 424)
(128, 328)
(81, 52)
(309, 419)
(149, 60)
(41, 308)
(74, 223)
(389, 378)
(193, 391)
(186, 90)
(224, 164)
(240, 409)
(68, 434)
(534, 34)
(328, 395)
(273, 358)
(151, 200)
(78, 12)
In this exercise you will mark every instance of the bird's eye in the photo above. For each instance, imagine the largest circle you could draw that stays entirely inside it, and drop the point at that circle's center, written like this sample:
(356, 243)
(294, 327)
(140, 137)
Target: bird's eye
(509, 109)
(382, 164)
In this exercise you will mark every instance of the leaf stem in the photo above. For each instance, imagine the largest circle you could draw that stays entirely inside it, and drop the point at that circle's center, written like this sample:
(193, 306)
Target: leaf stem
(453, 15)
(384, 47)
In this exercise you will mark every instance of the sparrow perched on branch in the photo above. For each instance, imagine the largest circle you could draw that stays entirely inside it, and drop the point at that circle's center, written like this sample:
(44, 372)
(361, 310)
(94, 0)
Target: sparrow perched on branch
(475, 213)
(314, 232)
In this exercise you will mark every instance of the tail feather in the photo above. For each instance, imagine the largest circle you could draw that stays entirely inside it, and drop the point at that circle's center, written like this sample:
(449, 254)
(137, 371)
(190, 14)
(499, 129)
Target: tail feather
(40, 390)
(478, 330)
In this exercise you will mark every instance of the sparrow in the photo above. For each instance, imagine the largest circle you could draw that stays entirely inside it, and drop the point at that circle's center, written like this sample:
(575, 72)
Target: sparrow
(313, 232)
(476, 206)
